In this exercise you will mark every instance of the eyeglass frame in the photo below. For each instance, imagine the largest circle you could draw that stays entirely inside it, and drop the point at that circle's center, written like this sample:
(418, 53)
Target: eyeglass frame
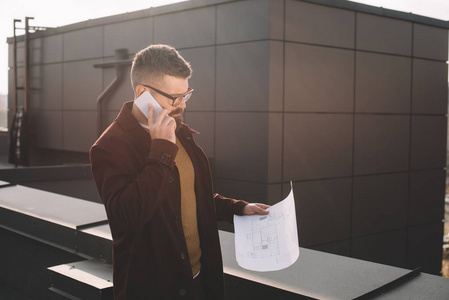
(173, 98)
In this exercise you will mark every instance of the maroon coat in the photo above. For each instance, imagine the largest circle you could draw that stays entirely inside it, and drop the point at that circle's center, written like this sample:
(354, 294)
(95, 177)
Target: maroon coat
(139, 186)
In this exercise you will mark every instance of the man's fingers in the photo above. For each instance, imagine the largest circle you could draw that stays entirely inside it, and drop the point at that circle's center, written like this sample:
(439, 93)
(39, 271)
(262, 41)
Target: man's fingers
(168, 121)
(150, 114)
(161, 116)
(261, 210)
(164, 127)
(256, 208)
(264, 206)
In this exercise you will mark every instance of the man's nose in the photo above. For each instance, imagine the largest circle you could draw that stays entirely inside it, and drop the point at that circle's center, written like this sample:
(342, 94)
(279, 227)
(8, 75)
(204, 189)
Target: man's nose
(182, 104)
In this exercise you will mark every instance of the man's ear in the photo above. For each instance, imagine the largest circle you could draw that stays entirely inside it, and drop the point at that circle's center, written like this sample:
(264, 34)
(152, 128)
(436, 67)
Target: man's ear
(138, 91)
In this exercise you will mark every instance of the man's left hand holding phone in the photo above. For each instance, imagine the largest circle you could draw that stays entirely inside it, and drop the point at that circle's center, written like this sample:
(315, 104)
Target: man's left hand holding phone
(161, 125)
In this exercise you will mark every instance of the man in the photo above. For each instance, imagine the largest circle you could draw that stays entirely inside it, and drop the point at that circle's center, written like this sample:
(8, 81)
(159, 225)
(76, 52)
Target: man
(156, 185)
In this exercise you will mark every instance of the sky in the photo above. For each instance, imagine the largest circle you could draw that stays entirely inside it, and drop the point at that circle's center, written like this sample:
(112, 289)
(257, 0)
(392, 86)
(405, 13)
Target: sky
(57, 13)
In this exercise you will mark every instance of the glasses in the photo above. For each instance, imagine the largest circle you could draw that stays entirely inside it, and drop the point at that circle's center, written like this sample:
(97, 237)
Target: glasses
(176, 99)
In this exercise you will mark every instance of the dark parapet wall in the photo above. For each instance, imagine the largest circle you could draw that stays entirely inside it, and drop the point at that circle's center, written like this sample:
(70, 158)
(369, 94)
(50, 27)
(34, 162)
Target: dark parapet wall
(24, 267)
(346, 100)
(65, 244)
(69, 180)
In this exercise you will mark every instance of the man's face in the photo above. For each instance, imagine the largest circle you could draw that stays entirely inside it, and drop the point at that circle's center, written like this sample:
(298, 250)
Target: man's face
(174, 87)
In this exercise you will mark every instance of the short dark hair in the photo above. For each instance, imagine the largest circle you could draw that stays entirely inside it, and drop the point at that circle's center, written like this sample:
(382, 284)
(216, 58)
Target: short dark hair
(155, 61)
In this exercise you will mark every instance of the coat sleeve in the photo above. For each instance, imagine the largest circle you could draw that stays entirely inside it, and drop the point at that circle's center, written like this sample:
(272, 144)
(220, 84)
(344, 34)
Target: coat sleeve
(132, 194)
(226, 208)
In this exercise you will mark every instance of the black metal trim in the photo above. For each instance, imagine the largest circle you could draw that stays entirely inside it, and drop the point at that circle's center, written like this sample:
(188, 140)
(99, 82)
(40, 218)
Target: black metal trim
(391, 285)
(7, 185)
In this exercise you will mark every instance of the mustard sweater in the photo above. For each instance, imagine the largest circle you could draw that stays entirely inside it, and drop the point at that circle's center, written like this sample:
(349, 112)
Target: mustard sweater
(188, 207)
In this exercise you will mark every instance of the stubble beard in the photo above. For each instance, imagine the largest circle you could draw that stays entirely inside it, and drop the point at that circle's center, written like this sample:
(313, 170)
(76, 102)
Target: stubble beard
(178, 115)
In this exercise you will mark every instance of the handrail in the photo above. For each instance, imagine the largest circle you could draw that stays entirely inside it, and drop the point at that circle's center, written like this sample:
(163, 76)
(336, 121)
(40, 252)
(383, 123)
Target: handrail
(15, 65)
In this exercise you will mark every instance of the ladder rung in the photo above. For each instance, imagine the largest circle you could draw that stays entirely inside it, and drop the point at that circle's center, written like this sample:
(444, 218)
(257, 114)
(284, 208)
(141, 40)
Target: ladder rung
(33, 89)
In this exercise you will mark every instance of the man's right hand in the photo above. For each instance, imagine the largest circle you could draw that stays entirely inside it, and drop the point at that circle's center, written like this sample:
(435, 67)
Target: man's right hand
(163, 127)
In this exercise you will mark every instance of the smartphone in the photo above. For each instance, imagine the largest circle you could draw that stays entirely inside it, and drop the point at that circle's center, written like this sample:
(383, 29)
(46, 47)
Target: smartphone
(143, 102)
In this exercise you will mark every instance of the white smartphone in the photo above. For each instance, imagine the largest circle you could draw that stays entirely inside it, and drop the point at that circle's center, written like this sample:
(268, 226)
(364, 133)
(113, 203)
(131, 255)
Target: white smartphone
(143, 102)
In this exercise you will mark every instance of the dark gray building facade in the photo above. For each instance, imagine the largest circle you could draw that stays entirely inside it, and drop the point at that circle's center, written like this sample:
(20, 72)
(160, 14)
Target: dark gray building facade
(346, 100)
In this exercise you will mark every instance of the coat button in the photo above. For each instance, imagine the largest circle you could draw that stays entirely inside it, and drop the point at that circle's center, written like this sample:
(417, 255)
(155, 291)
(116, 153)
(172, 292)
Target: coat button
(183, 256)
(182, 292)
(170, 179)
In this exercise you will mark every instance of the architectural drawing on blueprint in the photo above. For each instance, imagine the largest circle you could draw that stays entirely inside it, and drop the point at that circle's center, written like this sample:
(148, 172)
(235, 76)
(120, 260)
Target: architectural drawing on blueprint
(264, 237)
(268, 242)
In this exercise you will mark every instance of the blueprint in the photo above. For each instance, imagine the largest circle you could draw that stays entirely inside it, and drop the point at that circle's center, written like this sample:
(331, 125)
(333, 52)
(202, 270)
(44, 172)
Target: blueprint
(268, 242)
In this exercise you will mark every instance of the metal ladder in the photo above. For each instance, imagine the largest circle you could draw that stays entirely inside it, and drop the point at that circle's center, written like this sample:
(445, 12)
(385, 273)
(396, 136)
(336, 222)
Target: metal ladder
(18, 134)
(26, 86)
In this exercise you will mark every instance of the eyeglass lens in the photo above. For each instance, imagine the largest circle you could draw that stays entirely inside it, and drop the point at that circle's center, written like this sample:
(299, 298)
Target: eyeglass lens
(182, 98)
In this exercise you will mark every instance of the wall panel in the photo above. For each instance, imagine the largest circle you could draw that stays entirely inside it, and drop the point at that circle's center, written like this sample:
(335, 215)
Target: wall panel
(318, 79)
(242, 77)
(52, 48)
(79, 130)
(190, 28)
(428, 148)
(430, 87)
(241, 146)
(383, 83)
(329, 201)
(381, 34)
(83, 44)
(48, 129)
(124, 35)
(379, 203)
(430, 42)
(381, 144)
(317, 146)
(82, 85)
(317, 24)
(426, 196)
(386, 248)
(204, 123)
(243, 21)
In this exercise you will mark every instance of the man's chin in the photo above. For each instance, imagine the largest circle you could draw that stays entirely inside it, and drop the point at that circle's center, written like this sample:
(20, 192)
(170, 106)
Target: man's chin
(178, 119)
(177, 114)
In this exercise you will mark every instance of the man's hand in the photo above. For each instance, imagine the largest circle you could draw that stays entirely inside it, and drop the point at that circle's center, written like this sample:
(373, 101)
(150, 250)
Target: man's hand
(163, 127)
(255, 208)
